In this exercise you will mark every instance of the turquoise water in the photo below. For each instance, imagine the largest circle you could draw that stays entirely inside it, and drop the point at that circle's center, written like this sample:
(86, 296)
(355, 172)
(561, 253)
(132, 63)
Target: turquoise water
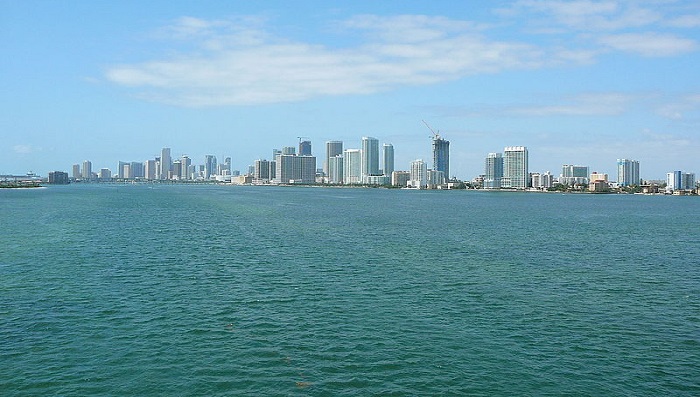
(217, 290)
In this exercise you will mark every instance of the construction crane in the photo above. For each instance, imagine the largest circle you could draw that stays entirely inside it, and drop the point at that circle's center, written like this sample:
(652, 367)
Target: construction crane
(302, 137)
(436, 135)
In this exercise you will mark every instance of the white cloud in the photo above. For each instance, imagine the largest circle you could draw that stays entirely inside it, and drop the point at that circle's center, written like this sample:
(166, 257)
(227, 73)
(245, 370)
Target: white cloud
(649, 44)
(25, 149)
(400, 51)
(588, 15)
(601, 104)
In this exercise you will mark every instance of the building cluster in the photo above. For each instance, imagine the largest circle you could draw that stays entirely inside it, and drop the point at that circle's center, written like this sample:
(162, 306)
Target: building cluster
(373, 164)
(163, 167)
(366, 165)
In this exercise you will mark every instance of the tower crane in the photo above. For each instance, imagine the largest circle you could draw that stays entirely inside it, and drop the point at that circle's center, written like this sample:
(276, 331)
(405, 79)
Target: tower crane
(436, 135)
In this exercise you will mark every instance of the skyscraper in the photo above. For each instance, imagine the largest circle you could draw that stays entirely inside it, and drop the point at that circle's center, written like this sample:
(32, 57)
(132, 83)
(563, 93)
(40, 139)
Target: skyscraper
(674, 180)
(166, 163)
(388, 159)
(370, 156)
(209, 166)
(87, 169)
(76, 171)
(185, 163)
(333, 148)
(262, 171)
(304, 148)
(493, 171)
(335, 169)
(419, 174)
(352, 166)
(441, 155)
(627, 172)
(150, 169)
(515, 167)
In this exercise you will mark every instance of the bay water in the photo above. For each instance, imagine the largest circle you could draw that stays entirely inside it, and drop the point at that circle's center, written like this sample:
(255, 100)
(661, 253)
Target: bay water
(187, 290)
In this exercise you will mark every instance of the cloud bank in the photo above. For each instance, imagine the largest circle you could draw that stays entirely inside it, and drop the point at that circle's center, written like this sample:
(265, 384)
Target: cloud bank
(239, 62)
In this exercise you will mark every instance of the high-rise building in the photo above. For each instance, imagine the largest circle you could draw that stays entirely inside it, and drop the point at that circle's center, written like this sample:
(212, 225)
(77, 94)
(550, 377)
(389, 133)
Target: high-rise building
(307, 169)
(515, 168)
(333, 148)
(335, 169)
(185, 163)
(209, 166)
(688, 181)
(288, 150)
(387, 159)
(262, 171)
(627, 172)
(150, 169)
(441, 155)
(304, 148)
(105, 174)
(176, 172)
(419, 174)
(400, 178)
(370, 157)
(166, 163)
(352, 166)
(573, 174)
(493, 171)
(76, 171)
(674, 181)
(87, 169)
(58, 178)
(291, 168)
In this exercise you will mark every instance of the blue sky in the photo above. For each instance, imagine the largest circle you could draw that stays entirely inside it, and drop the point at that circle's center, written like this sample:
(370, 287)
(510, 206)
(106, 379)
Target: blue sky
(577, 82)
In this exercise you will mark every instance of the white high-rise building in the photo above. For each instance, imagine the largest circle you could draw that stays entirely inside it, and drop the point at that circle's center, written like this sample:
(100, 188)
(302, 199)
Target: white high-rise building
(370, 157)
(627, 172)
(515, 167)
(76, 171)
(352, 166)
(388, 159)
(419, 174)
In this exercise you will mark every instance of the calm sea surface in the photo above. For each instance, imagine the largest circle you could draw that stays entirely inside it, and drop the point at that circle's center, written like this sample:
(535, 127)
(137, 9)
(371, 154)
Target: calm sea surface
(172, 290)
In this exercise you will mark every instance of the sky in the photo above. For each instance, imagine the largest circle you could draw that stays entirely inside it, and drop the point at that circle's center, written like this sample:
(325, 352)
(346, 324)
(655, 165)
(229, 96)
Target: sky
(578, 82)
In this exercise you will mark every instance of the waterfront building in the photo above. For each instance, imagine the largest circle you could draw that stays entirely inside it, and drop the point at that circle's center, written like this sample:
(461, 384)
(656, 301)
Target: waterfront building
(378, 180)
(335, 169)
(493, 171)
(441, 155)
(573, 174)
(673, 181)
(595, 176)
(105, 174)
(304, 148)
(400, 178)
(352, 166)
(58, 178)
(387, 159)
(185, 164)
(76, 171)
(515, 168)
(435, 179)
(688, 181)
(176, 172)
(291, 168)
(149, 169)
(87, 169)
(261, 173)
(419, 174)
(333, 149)
(627, 172)
(370, 157)
(273, 170)
(307, 169)
(209, 166)
(166, 163)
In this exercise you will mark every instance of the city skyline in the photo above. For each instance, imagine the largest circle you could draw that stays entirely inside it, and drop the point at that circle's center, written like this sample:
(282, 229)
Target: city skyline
(579, 82)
